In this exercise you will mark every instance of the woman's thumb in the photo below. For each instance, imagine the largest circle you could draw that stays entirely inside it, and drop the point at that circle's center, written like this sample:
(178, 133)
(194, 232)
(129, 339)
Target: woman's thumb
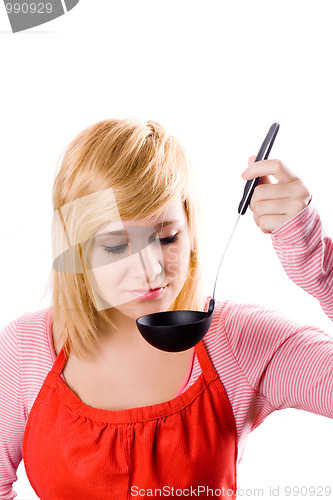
(250, 161)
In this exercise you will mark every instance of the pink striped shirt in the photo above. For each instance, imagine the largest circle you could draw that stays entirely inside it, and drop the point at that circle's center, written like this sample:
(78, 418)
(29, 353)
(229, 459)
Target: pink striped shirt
(265, 361)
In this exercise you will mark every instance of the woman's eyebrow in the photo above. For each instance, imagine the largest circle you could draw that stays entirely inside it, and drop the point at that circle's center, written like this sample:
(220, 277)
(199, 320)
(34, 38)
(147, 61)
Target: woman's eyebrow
(122, 232)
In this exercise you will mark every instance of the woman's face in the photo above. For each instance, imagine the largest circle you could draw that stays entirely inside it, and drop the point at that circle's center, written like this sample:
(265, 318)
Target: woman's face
(140, 254)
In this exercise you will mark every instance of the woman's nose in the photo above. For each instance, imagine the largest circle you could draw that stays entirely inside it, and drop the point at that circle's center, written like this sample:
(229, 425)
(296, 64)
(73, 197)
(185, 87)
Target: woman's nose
(151, 258)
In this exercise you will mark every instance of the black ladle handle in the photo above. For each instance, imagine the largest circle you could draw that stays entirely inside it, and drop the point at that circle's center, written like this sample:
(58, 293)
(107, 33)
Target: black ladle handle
(262, 155)
(248, 192)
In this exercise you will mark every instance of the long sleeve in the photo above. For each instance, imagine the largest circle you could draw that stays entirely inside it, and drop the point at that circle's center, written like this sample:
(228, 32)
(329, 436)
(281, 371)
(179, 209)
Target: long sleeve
(306, 254)
(300, 374)
(12, 415)
(289, 364)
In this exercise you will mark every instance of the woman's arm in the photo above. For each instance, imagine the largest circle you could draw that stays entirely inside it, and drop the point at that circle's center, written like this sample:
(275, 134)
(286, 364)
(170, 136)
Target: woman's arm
(12, 417)
(286, 362)
(306, 254)
(286, 211)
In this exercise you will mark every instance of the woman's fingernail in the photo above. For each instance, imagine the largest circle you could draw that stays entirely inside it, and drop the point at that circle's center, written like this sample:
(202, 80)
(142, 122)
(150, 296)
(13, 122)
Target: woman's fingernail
(245, 172)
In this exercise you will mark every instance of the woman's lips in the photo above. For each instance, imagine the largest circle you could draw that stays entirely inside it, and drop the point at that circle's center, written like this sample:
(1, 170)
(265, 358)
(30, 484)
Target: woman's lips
(148, 294)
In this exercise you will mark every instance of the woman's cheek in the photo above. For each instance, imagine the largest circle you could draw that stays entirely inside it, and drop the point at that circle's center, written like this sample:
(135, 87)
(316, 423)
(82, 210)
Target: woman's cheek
(172, 272)
(171, 254)
(177, 262)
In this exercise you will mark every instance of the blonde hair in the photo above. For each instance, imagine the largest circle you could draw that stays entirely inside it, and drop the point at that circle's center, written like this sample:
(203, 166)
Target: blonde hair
(146, 169)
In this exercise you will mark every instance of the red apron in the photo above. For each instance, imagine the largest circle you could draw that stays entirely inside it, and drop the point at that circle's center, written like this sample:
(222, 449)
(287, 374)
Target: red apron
(185, 447)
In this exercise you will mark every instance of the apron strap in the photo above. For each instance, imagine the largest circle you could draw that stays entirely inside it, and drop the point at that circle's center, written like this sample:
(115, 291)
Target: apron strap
(203, 357)
(205, 362)
(60, 360)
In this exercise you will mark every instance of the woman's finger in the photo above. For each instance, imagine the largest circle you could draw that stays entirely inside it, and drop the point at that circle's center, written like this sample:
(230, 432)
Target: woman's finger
(282, 206)
(271, 214)
(264, 179)
(269, 207)
(294, 189)
(268, 167)
(250, 161)
(270, 223)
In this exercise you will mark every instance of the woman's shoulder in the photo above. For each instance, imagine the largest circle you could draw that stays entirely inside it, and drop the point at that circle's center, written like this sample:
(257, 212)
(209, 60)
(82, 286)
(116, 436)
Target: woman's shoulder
(35, 316)
(247, 322)
(250, 334)
(25, 356)
(28, 334)
(231, 310)
(29, 321)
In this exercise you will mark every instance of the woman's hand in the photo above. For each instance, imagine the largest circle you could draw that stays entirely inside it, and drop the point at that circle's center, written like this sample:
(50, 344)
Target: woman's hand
(274, 204)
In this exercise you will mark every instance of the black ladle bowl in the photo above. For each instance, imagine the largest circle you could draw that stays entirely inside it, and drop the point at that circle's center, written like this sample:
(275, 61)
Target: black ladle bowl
(175, 331)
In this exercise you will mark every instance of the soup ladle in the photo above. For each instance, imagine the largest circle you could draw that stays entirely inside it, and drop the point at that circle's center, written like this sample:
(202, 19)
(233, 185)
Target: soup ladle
(175, 331)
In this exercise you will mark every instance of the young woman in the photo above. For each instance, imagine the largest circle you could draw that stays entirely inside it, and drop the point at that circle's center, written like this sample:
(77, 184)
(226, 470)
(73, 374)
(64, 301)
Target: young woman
(93, 409)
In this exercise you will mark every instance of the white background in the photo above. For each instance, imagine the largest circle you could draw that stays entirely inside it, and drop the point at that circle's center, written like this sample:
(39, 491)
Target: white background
(216, 74)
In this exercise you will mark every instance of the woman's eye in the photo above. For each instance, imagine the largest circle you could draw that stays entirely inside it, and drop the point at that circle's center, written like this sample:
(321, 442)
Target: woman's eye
(118, 249)
(169, 240)
(121, 248)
